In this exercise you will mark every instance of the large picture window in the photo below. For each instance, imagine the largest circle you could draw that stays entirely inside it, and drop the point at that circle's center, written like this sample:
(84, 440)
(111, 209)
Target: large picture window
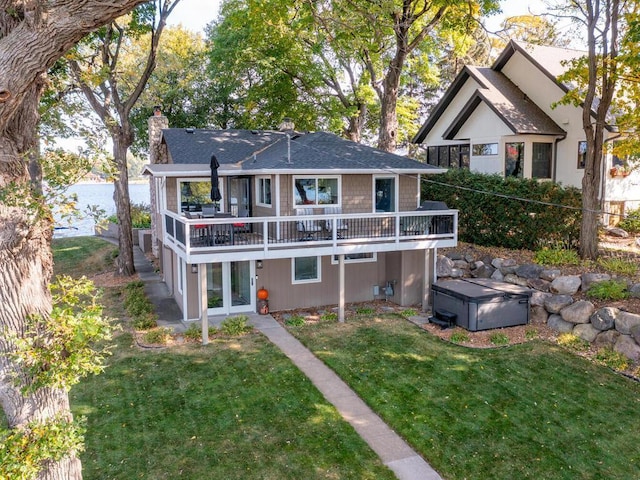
(193, 194)
(263, 194)
(449, 156)
(541, 167)
(384, 194)
(316, 191)
(305, 270)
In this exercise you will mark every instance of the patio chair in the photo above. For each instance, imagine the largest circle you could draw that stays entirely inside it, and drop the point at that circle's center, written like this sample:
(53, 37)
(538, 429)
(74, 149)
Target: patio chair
(341, 225)
(308, 229)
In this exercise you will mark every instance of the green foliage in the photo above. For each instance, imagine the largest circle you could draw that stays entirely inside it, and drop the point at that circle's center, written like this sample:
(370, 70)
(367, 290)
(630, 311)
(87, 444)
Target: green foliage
(556, 256)
(631, 222)
(58, 350)
(499, 338)
(608, 290)
(24, 450)
(610, 358)
(619, 266)
(140, 215)
(158, 336)
(138, 306)
(214, 301)
(365, 311)
(490, 212)
(329, 317)
(573, 342)
(295, 321)
(459, 336)
(235, 326)
(530, 333)
(409, 312)
(194, 332)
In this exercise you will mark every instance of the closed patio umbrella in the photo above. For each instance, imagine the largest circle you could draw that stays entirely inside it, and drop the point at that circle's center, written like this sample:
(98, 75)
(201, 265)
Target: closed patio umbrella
(215, 188)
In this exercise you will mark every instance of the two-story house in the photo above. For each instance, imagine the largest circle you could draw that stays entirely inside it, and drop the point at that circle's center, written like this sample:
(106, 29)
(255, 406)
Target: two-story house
(505, 120)
(313, 218)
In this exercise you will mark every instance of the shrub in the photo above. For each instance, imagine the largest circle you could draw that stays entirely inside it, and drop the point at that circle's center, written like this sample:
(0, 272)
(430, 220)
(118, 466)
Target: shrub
(145, 321)
(492, 212)
(612, 359)
(138, 306)
(235, 326)
(157, 336)
(459, 336)
(295, 321)
(194, 332)
(530, 333)
(608, 290)
(365, 311)
(409, 312)
(556, 256)
(329, 317)
(631, 222)
(499, 339)
(618, 265)
(140, 215)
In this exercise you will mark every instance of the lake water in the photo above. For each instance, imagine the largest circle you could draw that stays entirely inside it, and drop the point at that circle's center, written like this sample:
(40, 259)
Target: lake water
(101, 195)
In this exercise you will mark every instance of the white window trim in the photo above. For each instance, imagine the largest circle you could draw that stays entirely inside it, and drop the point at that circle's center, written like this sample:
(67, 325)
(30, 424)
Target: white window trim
(373, 259)
(259, 181)
(310, 280)
(316, 205)
(396, 192)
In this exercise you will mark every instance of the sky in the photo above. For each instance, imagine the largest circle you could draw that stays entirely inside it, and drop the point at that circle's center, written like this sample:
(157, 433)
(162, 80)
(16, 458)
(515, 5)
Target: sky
(196, 14)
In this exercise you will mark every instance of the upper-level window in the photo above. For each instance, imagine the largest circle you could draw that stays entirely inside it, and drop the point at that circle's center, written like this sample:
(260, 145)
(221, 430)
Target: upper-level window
(316, 191)
(582, 154)
(480, 149)
(449, 156)
(384, 194)
(263, 191)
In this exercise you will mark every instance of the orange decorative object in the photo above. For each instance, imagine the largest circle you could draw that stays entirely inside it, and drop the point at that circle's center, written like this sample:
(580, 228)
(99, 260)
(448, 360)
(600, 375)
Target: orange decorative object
(263, 294)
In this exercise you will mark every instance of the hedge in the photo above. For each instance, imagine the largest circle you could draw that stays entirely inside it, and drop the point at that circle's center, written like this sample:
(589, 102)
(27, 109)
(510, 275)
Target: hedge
(493, 210)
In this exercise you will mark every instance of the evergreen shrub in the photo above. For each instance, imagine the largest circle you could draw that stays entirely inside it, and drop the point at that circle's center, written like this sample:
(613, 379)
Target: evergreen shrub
(491, 211)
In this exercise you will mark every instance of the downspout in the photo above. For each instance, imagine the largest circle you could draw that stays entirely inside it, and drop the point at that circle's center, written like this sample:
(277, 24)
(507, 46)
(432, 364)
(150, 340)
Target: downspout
(555, 157)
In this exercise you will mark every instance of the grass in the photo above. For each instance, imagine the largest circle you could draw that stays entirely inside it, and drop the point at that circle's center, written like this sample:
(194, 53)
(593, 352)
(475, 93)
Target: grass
(236, 409)
(533, 410)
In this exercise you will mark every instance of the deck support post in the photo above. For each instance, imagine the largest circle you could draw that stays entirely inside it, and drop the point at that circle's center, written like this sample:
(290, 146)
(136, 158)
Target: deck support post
(341, 286)
(429, 276)
(202, 294)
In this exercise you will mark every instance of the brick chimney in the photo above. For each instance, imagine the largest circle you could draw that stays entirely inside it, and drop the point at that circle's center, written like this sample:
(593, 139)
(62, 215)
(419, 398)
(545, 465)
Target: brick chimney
(157, 154)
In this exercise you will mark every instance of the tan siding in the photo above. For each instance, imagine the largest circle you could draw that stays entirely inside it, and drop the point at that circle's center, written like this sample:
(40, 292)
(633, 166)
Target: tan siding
(172, 197)
(409, 194)
(357, 194)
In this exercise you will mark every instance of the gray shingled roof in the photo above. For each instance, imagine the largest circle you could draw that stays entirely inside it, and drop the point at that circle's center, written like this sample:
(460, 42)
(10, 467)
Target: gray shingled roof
(268, 150)
(515, 109)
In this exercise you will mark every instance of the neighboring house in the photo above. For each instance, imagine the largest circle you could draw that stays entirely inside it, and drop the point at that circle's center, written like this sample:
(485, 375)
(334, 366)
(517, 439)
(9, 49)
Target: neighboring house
(500, 119)
(314, 219)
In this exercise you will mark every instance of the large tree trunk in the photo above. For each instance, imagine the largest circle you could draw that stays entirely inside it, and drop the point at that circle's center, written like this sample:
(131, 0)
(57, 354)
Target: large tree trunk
(387, 135)
(124, 262)
(33, 35)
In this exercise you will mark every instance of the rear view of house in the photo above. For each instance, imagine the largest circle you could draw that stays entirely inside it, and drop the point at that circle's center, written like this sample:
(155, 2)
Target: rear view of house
(313, 218)
(503, 120)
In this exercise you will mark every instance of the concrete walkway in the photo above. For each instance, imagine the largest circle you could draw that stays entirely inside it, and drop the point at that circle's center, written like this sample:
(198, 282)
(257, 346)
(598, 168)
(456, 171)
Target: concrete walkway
(392, 450)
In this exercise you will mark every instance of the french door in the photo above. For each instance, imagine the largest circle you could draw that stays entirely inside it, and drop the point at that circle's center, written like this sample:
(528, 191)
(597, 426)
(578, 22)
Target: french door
(231, 287)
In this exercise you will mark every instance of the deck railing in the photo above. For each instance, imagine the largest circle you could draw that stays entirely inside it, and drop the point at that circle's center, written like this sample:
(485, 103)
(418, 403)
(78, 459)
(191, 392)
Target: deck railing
(277, 233)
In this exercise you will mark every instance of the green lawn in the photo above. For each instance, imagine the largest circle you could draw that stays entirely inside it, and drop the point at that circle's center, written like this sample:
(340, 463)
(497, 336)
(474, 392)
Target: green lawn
(76, 256)
(529, 411)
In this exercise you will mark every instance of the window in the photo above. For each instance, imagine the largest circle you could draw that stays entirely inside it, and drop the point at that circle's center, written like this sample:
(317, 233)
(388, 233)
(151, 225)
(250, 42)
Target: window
(356, 258)
(541, 166)
(305, 270)
(582, 154)
(193, 194)
(384, 194)
(263, 193)
(480, 149)
(449, 156)
(514, 159)
(316, 191)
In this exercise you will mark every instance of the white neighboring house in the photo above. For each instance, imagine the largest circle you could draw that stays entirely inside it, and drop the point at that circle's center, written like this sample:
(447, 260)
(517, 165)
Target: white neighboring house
(500, 119)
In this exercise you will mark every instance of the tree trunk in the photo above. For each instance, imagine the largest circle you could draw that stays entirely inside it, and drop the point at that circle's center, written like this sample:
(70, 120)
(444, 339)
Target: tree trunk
(387, 135)
(356, 124)
(33, 35)
(124, 262)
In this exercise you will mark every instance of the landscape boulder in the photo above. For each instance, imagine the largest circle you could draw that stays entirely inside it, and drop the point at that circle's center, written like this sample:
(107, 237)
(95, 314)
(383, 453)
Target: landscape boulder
(625, 321)
(483, 271)
(550, 275)
(604, 318)
(607, 339)
(538, 315)
(566, 285)
(586, 332)
(578, 312)
(538, 298)
(539, 284)
(497, 275)
(444, 265)
(555, 303)
(628, 347)
(589, 279)
(634, 290)
(528, 271)
(635, 333)
(555, 322)
(617, 232)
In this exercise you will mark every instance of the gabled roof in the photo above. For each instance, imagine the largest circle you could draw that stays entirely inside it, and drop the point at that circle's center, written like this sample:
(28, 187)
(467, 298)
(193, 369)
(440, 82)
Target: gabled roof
(502, 96)
(506, 100)
(247, 151)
